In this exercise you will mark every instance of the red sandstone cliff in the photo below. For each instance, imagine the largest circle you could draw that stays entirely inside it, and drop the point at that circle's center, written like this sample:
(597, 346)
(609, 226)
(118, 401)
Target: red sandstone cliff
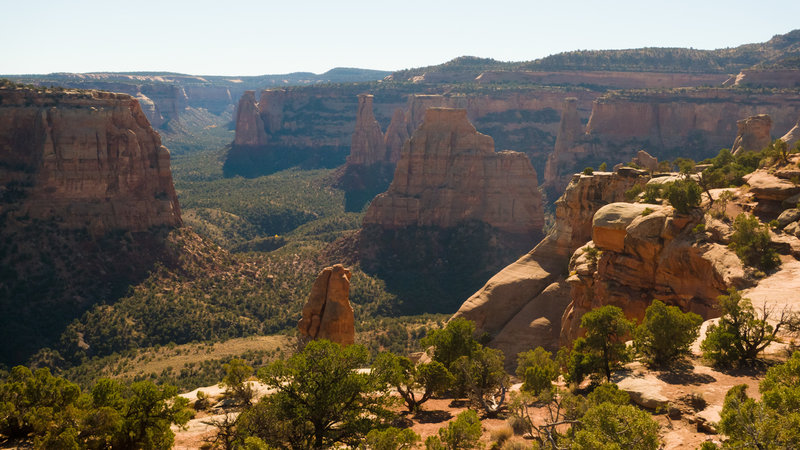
(694, 123)
(449, 173)
(85, 160)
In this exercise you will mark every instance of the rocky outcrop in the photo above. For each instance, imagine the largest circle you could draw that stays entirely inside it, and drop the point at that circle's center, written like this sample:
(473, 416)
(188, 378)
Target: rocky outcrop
(327, 313)
(753, 134)
(640, 252)
(83, 160)
(772, 192)
(646, 161)
(367, 146)
(449, 173)
(249, 125)
(521, 306)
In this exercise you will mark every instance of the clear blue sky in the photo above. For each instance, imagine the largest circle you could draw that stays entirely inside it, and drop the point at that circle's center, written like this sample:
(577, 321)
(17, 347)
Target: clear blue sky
(265, 37)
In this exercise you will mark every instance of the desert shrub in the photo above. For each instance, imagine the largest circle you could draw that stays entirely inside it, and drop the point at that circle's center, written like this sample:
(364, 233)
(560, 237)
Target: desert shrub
(609, 426)
(602, 348)
(683, 195)
(588, 171)
(633, 192)
(750, 240)
(235, 381)
(727, 170)
(608, 393)
(462, 433)
(666, 333)
(652, 192)
(390, 439)
(741, 333)
(501, 434)
(537, 370)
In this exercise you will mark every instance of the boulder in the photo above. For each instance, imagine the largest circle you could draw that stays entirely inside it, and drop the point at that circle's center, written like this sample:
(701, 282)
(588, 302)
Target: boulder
(788, 216)
(610, 222)
(327, 313)
(644, 391)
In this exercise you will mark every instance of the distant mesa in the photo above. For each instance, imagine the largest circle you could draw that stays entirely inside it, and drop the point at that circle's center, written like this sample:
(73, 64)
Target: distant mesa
(327, 313)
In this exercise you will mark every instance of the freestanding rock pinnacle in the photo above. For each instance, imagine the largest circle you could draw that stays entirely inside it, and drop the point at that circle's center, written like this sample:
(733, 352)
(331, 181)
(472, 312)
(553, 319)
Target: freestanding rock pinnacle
(327, 313)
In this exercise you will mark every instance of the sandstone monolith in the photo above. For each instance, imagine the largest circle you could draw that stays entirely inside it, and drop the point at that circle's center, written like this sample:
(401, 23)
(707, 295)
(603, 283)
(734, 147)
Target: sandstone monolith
(327, 313)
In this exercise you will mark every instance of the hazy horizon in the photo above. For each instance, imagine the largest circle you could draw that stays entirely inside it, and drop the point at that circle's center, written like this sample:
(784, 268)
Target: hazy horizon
(248, 38)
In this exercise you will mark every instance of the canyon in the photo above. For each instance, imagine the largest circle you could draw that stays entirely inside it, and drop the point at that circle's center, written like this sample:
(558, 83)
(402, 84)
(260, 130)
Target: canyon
(168, 98)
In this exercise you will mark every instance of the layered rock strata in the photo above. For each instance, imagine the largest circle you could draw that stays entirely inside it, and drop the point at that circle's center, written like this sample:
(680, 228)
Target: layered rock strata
(456, 210)
(753, 134)
(696, 122)
(449, 173)
(327, 313)
(521, 306)
(84, 160)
